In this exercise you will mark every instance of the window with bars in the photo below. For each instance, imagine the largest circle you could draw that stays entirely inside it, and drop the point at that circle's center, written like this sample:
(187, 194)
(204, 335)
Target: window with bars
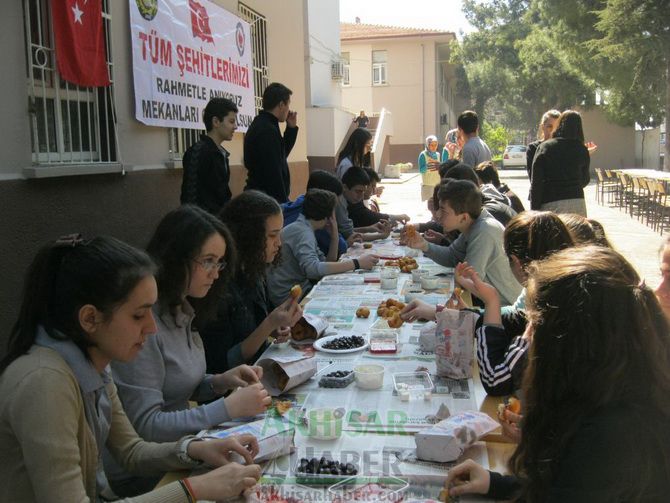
(345, 78)
(378, 68)
(69, 124)
(180, 139)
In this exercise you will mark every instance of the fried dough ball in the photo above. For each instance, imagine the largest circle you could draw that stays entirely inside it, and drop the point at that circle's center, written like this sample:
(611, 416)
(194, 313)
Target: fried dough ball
(362, 312)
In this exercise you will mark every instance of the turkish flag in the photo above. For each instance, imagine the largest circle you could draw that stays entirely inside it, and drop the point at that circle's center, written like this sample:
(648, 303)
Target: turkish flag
(80, 43)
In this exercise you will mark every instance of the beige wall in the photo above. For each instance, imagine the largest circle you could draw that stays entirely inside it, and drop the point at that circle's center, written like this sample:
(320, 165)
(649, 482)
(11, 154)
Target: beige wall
(140, 146)
(616, 144)
(412, 91)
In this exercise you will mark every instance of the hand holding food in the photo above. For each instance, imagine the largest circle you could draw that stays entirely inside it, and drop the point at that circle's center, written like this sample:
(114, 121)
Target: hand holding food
(249, 401)
(296, 291)
(216, 452)
(418, 309)
(390, 311)
(368, 261)
(242, 375)
(225, 482)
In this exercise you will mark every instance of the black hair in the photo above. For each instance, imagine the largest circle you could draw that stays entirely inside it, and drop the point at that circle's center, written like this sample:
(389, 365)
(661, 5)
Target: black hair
(219, 108)
(488, 173)
(355, 176)
(372, 175)
(468, 121)
(463, 196)
(66, 275)
(446, 166)
(570, 126)
(176, 242)
(355, 147)
(318, 204)
(462, 171)
(245, 215)
(324, 180)
(275, 94)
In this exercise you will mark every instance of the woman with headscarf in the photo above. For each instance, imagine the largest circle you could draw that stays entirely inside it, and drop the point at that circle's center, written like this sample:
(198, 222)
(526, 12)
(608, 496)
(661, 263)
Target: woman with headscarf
(429, 162)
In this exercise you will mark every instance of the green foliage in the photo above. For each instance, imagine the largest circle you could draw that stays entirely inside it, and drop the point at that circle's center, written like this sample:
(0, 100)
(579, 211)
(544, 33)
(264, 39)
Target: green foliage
(496, 137)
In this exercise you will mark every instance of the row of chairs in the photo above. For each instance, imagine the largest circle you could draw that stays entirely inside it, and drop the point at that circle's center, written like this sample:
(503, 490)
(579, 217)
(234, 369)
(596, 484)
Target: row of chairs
(646, 199)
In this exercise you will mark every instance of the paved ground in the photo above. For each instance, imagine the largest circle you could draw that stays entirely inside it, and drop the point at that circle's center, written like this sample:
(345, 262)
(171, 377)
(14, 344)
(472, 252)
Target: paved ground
(637, 242)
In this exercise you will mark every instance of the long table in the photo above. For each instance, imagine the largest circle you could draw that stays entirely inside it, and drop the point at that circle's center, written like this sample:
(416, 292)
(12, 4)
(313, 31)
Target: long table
(378, 426)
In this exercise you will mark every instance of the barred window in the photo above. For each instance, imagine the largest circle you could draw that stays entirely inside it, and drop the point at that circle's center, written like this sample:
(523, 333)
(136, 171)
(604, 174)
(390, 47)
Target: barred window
(181, 139)
(69, 124)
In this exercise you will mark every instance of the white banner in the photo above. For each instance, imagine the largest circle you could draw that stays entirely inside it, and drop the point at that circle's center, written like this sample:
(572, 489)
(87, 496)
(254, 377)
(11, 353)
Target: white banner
(186, 52)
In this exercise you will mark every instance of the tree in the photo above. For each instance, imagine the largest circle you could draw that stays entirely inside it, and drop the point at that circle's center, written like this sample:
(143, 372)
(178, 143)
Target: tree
(624, 46)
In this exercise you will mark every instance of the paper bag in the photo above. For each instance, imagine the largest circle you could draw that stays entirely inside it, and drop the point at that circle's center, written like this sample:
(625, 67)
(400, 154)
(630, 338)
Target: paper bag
(274, 440)
(454, 343)
(280, 374)
(447, 440)
(309, 328)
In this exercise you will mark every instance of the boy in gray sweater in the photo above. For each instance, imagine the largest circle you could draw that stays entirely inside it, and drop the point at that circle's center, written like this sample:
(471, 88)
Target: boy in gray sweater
(302, 263)
(480, 243)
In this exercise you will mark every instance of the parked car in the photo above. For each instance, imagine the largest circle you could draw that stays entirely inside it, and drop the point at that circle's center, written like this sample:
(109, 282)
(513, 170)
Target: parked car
(514, 156)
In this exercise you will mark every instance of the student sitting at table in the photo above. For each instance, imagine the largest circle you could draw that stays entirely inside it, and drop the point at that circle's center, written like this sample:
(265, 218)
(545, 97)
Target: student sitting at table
(585, 230)
(596, 424)
(663, 290)
(480, 242)
(361, 215)
(191, 248)
(499, 336)
(86, 304)
(354, 183)
(302, 262)
(245, 318)
(319, 179)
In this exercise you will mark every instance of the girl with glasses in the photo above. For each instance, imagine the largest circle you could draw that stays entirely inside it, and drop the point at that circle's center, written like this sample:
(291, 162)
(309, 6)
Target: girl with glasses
(87, 304)
(190, 247)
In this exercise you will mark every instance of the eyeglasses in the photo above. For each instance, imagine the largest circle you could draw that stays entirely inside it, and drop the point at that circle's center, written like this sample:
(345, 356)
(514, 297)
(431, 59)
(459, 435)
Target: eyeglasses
(210, 265)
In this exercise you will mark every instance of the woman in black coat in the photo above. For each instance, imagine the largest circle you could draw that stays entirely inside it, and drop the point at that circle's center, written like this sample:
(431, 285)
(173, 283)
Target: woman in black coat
(561, 169)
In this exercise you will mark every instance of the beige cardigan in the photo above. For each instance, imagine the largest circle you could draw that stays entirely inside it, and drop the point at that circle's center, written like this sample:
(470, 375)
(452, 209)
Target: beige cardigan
(47, 450)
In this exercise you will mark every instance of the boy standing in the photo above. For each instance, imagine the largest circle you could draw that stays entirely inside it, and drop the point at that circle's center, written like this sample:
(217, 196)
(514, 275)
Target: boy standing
(480, 243)
(206, 169)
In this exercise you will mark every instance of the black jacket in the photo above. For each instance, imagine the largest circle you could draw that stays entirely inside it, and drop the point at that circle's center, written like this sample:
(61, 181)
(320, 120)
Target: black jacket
(265, 153)
(560, 171)
(362, 216)
(244, 308)
(206, 175)
(601, 462)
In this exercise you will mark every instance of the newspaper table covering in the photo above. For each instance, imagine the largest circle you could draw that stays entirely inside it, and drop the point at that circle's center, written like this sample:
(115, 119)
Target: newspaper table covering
(377, 426)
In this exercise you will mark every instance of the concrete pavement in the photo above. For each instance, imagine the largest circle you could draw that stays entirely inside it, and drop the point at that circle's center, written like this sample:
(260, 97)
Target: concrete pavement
(634, 240)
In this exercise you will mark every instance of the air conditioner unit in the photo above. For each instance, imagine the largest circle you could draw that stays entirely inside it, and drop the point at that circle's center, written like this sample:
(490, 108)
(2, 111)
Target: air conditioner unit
(337, 70)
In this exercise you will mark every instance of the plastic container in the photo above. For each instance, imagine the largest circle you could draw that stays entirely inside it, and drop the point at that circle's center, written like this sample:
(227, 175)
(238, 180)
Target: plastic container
(323, 479)
(327, 381)
(409, 385)
(417, 274)
(429, 282)
(384, 341)
(389, 278)
(324, 423)
(369, 376)
(360, 488)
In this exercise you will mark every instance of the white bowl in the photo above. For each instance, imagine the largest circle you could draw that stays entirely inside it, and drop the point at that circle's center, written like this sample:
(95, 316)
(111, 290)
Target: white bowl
(369, 376)
(429, 282)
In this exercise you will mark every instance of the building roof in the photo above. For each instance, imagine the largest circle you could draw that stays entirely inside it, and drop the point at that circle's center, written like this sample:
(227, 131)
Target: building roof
(358, 31)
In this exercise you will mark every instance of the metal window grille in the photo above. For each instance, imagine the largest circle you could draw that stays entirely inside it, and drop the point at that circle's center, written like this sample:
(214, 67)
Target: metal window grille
(69, 124)
(259, 50)
(180, 139)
